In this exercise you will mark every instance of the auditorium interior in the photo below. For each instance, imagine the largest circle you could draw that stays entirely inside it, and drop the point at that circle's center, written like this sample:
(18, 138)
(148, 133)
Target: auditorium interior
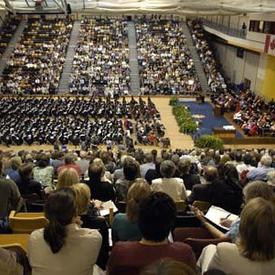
(137, 137)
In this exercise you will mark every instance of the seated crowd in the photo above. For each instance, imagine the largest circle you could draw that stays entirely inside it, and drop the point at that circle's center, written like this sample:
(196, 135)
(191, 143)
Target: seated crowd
(101, 61)
(150, 186)
(7, 30)
(78, 121)
(216, 81)
(166, 65)
(37, 61)
(254, 115)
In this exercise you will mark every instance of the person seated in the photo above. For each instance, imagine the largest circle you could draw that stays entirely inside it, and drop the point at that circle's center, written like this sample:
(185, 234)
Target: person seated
(43, 172)
(90, 218)
(56, 249)
(264, 167)
(14, 262)
(254, 253)
(157, 214)
(69, 163)
(66, 178)
(124, 227)
(101, 189)
(27, 184)
(174, 187)
(131, 171)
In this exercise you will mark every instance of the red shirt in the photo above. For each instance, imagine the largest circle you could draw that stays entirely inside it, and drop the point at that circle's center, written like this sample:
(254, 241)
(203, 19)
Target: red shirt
(66, 166)
(131, 257)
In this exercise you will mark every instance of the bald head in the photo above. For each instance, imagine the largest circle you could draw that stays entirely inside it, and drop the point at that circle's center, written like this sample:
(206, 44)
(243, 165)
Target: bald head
(210, 173)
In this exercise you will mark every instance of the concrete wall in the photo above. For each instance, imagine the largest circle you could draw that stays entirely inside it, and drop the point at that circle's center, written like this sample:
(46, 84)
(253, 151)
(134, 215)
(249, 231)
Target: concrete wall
(237, 69)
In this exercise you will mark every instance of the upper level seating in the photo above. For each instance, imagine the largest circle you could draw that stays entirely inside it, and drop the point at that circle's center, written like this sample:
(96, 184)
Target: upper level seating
(166, 66)
(101, 62)
(214, 77)
(7, 29)
(37, 61)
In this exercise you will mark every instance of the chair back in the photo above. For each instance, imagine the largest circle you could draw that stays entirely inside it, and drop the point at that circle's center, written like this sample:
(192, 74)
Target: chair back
(181, 206)
(8, 239)
(202, 205)
(26, 222)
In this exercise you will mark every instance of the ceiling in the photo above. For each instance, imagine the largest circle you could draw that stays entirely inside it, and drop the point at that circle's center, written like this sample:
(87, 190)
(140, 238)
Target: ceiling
(201, 7)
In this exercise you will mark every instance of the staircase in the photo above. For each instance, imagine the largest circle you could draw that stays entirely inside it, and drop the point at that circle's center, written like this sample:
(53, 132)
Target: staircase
(196, 58)
(10, 48)
(67, 69)
(133, 61)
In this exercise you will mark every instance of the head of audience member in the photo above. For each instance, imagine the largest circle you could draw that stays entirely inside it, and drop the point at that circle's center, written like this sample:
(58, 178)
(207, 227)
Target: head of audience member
(96, 171)
(266, 161)
(156, 218)
(184, 166)
(210, 174)
(148, 158)
(230, 174)
(255, 189)
(25, 171)
(15, 163)
(43, 161)
(247, 159)
(83, 195)
(139, 190)
(131, 169)
(55, 232)
(158, 162)
(271, 179)
(168, 267)
(175, 158)
(67, 177)
(69, 159)
(257, 230)
(167, 169)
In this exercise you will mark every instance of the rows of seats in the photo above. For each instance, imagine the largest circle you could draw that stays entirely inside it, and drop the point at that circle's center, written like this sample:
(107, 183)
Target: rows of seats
(77, 121)
(37, 61)
(166, 65)
(152, 187)
(101, 61)
(215, 79)
(7, 30)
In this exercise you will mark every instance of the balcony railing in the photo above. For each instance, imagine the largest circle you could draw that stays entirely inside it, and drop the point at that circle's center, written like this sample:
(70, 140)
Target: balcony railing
(240, 33)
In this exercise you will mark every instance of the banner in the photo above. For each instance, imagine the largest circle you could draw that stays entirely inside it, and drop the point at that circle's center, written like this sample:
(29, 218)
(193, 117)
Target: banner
(270, 44)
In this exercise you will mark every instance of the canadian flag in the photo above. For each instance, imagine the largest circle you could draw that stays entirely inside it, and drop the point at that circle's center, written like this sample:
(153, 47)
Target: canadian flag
(270, 44)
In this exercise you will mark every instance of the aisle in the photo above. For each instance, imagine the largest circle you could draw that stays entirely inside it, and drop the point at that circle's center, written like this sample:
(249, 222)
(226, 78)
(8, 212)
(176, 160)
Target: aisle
(178, 140)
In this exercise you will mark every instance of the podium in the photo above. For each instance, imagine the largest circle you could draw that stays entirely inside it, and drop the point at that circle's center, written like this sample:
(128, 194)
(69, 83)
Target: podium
(224, 133)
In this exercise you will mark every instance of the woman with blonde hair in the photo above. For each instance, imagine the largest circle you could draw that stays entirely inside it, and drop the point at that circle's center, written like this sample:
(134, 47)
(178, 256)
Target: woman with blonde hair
(67, 177)
(125, 226)
(90, 219)
(254, 251)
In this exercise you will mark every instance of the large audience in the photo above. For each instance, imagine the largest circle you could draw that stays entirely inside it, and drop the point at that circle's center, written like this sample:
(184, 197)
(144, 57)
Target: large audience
(150, 185)
(166, 65)
(36, 64)
(79, 121)
(255, 116)
(101, 61)
(215, 79)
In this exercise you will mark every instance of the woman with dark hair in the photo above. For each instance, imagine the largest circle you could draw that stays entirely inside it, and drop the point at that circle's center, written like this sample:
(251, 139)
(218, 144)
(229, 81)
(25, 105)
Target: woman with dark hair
(231, 190)
(63, 247)
(27, 184)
